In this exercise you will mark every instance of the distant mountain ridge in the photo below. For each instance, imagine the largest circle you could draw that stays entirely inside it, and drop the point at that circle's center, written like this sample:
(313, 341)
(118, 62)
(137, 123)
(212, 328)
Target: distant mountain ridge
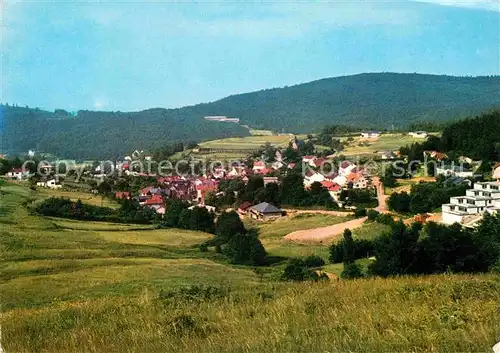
(373, 100)
(364, 100)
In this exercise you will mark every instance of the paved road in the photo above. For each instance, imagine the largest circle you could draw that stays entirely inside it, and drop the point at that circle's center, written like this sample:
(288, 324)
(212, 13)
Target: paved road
(323, 234)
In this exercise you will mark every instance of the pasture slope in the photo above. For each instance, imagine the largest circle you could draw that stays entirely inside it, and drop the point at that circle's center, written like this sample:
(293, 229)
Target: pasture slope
(69, 286)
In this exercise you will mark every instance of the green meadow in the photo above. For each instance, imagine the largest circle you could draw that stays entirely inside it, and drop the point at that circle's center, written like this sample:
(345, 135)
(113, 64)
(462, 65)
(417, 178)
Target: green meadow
(386, 142)
(72, 286)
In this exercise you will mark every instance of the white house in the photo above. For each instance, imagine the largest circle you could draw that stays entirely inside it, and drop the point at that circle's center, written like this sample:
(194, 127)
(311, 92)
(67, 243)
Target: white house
(370, 134)
(207, 207)
(51, 184)
(458, 171)
(346, 167)
(358, 180)
(484, 197)
(340, 180)
(311, 177)
(18, 173)
(386, 154)
(418, 134)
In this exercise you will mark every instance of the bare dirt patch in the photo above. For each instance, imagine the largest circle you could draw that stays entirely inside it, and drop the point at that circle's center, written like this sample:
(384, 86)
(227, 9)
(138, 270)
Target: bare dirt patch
(323, 234)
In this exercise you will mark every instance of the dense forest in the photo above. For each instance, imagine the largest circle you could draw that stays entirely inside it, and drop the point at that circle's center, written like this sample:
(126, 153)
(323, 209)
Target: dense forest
(367, 100)
(378, 100)
(477, 137)
(104, 135)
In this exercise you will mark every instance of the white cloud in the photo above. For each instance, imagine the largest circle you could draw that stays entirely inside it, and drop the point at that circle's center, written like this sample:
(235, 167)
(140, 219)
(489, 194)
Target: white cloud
(488, 5)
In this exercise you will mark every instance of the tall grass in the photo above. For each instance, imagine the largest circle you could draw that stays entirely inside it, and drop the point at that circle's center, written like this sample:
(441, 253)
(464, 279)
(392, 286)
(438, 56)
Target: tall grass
(79, 287)
(438, 313)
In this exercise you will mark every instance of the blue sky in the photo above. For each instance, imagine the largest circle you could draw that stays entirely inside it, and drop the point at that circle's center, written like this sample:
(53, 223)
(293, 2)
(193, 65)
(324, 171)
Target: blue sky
(137, 55)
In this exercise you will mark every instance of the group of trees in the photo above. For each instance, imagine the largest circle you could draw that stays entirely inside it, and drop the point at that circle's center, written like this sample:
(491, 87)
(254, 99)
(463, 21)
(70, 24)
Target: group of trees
(475, 137)
(129, 212)
(303, 269)
(7, 164)
(328, 136)
(292, 193)
(179, 215)
(289, 192)
(435, 248)
(232, 239)
(366, 197)
(424, 197)
(165, 152)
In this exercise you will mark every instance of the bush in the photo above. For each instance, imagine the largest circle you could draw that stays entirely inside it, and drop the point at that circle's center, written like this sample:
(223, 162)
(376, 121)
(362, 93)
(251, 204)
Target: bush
(299, 269)
(360, 212)
(314, 261)
(337, 252)
(372, 215)
(496, 267)
(362, 248)
(352, 271)
(385, 218)
(204, 247)
(245, 249)
(195, 293)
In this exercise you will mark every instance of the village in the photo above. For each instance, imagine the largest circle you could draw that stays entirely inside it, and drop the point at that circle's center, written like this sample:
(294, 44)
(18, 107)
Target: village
(334, 175)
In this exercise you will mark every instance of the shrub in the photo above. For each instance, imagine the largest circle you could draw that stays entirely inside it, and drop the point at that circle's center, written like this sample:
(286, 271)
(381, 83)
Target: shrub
(204, 247)
(299, 269)
(385, 218)
(245, 249)
(314, 261)
(362, 248)
(360, 212)
(195, 293)
(337, 252)
(372, 215)
(351, 271)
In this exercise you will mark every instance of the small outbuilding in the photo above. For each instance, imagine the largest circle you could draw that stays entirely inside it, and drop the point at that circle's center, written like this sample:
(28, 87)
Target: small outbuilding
(265, 211)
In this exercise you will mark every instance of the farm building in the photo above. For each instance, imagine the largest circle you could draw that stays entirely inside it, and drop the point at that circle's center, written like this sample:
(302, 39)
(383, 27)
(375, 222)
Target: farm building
(265, 212)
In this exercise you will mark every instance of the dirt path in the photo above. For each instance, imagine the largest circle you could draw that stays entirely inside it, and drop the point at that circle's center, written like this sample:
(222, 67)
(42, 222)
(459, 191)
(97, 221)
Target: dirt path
(381, 197)
(323, 234)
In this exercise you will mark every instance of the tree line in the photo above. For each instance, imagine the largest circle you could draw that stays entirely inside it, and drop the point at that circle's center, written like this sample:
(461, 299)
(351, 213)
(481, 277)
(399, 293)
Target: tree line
(416, 249)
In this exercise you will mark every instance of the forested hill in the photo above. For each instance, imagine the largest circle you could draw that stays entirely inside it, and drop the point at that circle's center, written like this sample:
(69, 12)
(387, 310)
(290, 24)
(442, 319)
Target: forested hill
(378, 100)
(103, 135)
(366, 100)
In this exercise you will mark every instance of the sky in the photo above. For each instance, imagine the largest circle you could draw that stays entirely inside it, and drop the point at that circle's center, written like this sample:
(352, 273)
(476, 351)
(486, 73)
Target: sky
(132, 55)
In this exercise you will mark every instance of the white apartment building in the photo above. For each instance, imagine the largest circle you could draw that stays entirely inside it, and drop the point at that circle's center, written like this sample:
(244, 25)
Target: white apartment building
(484, 197)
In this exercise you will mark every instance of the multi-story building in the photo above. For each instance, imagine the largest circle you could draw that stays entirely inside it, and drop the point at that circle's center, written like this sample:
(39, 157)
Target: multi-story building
(483, 198)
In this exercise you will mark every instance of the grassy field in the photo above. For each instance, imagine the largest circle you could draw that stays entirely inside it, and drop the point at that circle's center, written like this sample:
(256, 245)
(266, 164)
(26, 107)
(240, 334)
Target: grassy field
(72, 286)
(91, 199)
(386, 142)
(271, 234)
(235, 148)
(246, 142)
